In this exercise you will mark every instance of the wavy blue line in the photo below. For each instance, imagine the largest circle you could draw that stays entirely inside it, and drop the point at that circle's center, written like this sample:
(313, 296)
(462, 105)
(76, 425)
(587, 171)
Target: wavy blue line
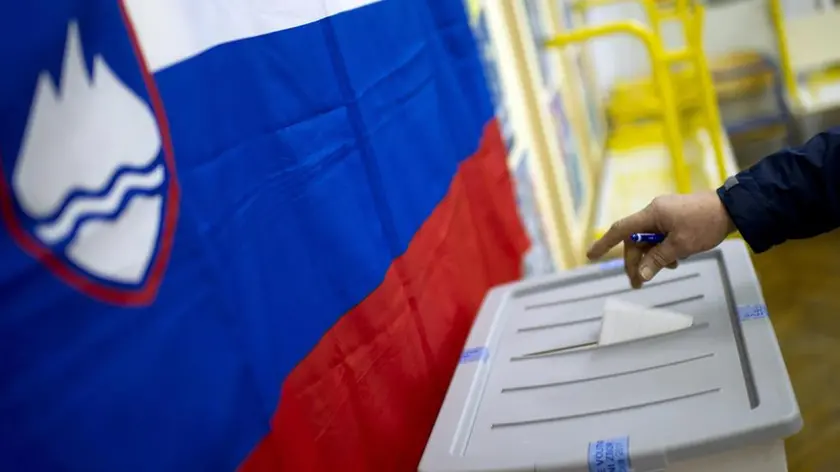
(108, 216)
(102, 191)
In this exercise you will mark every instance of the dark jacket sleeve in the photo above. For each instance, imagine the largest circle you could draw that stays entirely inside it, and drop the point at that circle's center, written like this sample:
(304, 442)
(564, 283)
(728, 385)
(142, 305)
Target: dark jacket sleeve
(792, 194)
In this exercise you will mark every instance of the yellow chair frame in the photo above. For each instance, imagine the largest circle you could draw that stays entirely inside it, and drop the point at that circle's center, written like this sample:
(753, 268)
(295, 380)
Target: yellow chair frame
(777, 17)
(790, 74)
(691, 15)
(661, 78)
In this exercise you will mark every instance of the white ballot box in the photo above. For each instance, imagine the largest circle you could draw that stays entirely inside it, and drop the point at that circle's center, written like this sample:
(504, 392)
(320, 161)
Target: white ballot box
(535, 391)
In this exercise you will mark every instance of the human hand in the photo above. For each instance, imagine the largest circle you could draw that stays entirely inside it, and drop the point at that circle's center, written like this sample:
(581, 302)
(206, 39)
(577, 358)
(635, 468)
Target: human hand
(691, 224)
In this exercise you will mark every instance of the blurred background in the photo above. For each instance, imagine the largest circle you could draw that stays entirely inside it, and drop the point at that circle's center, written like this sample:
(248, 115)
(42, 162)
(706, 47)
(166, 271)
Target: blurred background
(607, 103)
(255, 235)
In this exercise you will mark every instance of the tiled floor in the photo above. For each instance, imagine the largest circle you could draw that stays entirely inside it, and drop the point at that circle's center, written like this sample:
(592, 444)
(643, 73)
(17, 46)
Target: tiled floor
(801, 283)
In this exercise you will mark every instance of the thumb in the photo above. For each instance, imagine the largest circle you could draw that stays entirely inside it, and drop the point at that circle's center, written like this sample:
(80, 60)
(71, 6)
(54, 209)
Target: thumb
(659, 256)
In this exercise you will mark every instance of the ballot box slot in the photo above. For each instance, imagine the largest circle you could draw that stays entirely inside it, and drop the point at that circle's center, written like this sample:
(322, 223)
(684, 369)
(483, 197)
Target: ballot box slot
(563, 324)
(622, 373)
(680, 301)
(593, 345)
(611, 293)
(605, 411)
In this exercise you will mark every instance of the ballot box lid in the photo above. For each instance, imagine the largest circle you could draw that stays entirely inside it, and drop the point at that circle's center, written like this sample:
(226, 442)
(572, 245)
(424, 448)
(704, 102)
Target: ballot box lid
(533, 391)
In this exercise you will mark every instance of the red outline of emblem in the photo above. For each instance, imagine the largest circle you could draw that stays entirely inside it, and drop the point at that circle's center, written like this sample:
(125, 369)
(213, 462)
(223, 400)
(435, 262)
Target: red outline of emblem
(145, 294)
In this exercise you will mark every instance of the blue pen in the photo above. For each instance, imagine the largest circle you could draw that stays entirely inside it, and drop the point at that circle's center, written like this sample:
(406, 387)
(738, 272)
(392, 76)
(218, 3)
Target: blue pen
(650, 238)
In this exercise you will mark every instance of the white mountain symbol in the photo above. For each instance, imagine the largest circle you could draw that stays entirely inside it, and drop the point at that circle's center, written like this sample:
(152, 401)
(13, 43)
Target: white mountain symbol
(77, 139)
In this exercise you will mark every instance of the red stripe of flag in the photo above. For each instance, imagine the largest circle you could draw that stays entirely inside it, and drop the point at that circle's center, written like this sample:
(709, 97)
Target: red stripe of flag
(367, 396)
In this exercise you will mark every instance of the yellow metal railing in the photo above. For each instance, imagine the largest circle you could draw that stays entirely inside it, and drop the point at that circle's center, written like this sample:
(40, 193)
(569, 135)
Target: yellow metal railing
(691, 15)
(710, 110)
(661, 80)
(777, 17)
(651, 10)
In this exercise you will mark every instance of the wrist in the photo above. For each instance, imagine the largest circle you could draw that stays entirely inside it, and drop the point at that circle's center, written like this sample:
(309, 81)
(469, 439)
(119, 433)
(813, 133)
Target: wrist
(748, 214)
(730, 224)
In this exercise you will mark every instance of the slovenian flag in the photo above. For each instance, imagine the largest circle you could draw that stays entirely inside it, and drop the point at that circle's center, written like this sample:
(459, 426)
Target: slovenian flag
(240, 234)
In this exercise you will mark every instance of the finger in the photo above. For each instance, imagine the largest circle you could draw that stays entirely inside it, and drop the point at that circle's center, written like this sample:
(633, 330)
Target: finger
(620, 231)
(673, 265)
(632, 257)
(659, 256)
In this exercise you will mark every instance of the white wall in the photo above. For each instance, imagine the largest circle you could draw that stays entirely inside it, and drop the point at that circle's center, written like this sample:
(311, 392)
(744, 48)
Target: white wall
(736, 25)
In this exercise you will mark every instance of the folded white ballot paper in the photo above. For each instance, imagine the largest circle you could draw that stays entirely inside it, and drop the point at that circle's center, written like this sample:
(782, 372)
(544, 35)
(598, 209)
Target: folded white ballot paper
(624, 321)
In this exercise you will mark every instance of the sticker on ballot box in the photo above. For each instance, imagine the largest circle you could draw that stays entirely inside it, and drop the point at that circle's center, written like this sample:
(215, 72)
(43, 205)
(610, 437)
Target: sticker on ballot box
(473, 354)
(610, 455)
(751, 312)
(611, 264)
